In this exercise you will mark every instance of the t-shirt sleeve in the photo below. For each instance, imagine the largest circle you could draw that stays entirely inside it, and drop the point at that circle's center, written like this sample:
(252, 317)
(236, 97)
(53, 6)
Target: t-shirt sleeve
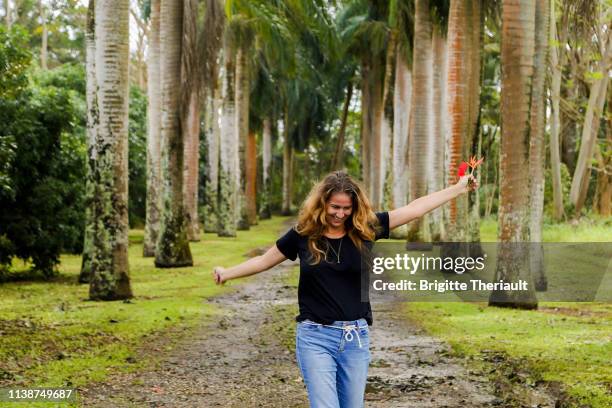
(382, 230)
(288, 244)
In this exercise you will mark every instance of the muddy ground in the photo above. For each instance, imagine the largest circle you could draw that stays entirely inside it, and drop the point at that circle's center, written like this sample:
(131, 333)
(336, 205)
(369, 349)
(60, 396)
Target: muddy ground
(245, 359)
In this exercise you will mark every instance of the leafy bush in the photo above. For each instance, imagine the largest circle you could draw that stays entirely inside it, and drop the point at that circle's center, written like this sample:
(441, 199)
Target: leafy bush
(41, 207)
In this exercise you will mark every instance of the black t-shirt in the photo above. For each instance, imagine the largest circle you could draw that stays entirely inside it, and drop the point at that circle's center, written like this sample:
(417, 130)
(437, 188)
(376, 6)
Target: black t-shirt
(330, 291)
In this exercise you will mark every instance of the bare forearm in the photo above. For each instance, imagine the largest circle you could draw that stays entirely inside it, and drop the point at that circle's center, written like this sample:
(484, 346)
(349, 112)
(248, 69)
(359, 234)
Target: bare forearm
(247, 268)
(255, 265)
(423, 205)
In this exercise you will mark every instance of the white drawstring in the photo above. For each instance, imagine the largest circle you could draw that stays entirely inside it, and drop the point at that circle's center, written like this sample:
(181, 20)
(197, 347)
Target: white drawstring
(348, 330)
(348, 335)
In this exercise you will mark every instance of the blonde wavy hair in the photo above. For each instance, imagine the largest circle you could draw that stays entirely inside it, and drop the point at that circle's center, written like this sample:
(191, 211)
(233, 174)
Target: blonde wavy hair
(360, 226)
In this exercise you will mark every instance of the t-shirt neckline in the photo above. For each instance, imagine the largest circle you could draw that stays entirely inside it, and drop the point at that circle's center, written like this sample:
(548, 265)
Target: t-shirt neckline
(326, 237)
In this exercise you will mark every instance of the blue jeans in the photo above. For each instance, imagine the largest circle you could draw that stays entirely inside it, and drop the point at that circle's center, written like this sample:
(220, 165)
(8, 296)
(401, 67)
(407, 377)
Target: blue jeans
(334, 362)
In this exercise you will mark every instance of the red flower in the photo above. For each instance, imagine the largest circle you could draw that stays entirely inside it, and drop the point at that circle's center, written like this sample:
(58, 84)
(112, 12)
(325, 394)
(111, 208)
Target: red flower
(462, 169)
(474, 163)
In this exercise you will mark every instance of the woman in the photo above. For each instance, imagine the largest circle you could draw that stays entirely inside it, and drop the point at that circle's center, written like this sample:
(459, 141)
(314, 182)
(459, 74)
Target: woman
(335, 226)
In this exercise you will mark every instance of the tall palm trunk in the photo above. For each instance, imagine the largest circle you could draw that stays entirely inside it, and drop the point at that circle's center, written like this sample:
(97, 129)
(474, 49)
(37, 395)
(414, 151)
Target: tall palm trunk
(242, 120)
(376, 143)
(213, 103)
(537, 157)
(287, 165)
(555, 125)
(191, 134)
(597, 98)
(438, 142)
(190, 117)
(251, 178)
(266, 149)
(44, 36)
(172, 245)
(517, 62)
(475, 128)
(92, 122)
(463, 68)
(372, 109)
(385, 176)
(154, 187)
(228, 167)
(420, 115)
(366, 123)
(109, 265)
(338, 159)
(463, 140)
(402, 97)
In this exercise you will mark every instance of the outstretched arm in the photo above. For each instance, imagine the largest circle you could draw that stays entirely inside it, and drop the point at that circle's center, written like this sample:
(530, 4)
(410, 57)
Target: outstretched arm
(423, 205)
(261, 263)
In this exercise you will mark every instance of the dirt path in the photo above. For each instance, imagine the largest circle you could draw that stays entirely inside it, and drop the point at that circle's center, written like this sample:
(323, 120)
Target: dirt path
(246, 359)
(243, 361)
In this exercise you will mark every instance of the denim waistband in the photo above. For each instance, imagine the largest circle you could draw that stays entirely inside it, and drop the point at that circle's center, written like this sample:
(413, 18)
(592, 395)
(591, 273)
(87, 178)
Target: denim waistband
(347, 326)
(339, 324)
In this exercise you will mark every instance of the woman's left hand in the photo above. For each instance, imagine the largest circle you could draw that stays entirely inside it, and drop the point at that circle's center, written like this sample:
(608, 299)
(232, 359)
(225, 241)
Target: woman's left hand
(467, 183)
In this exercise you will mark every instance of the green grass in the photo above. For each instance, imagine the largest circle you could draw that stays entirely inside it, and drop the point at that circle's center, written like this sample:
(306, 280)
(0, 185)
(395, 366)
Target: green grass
(552, 344)
(566, 342)
(51, 335)
(586, 230)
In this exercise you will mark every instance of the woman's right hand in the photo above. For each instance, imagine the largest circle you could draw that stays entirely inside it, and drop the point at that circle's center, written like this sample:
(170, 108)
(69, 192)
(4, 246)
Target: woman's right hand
(218, 275)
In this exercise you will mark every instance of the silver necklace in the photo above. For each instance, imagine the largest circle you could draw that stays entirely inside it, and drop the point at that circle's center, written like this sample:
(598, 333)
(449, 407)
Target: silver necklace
(330, 246)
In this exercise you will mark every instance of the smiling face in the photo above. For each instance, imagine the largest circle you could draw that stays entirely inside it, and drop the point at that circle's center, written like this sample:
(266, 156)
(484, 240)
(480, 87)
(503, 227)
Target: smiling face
(338, 209)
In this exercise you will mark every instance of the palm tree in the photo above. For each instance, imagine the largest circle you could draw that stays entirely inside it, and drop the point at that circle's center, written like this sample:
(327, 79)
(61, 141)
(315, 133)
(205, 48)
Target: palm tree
(597, 99)
(557, 62)
(172, 245)
(401, 16)
(154, 187)
(439, 118)
(337, 160)
(402, 105)
(44, 35)
(251, 177)
(242, 35)
(209, 44)
(537, 158)
(190, 116)
(109, 263)
(464, 20)
(266, 150)
(213, 133)
(420, 114)
(517, 59)
(228, 169)
(269, 63)
(191, 132)
(92, 122)
(288, 154)
(476, 140)
(364, 25)
(244, 20)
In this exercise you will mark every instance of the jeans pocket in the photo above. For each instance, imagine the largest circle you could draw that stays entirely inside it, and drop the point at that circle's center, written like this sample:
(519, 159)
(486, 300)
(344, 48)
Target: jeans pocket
(307, 325)
(364, 331)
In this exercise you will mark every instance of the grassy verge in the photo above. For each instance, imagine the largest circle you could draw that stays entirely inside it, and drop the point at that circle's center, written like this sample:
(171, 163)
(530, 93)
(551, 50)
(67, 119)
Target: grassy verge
(565, 343)
(586, 230)
(568, 344)
(51, 335)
